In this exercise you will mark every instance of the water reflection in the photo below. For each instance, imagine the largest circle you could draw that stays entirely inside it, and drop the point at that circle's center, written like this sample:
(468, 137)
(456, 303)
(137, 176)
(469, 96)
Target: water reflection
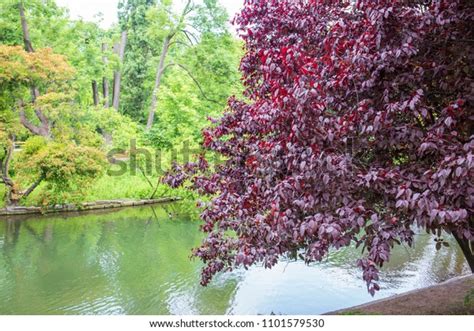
(136, 261)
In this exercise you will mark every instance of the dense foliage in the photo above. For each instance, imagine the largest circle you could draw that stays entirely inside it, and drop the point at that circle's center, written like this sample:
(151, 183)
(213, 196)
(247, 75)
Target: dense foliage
(63, 167)
(138, 56)
(58, 77)
(359, 126)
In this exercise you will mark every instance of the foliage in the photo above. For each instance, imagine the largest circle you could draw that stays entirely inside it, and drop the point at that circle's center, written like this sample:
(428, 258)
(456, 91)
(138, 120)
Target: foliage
(138, 56)
(183, 108)
(210, 17)
(68, 57)
(106, 120)
(46, 72)
(68, 170)
(359, 126)
(183, 113)
(18, 67)
(50, 27)
(32, 146)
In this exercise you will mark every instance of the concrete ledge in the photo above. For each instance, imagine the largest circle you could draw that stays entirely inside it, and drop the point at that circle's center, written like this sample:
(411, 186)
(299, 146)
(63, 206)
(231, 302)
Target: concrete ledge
(96, 205)
(453, 297)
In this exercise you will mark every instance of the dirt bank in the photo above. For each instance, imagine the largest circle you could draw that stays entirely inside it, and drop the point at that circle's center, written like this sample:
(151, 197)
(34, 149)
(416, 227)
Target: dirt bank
(453, 297)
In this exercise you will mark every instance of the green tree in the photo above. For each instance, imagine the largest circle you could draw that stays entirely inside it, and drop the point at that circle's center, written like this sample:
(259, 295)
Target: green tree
(138, 57)
(64, 166)
(178, 31)
(183, 108)
(50, 27)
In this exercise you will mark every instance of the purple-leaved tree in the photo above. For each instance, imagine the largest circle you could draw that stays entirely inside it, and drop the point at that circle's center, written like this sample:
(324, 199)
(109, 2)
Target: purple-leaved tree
(357, 128)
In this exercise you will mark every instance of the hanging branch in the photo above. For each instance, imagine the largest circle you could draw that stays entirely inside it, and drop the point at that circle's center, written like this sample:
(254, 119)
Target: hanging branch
(180, 43)
(145, 176)
(158, 83)
(195, 82)
(188, 35)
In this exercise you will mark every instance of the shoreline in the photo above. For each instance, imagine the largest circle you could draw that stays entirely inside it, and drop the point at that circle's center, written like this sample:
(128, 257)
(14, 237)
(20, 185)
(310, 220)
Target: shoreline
(86, 206)
(452, 297)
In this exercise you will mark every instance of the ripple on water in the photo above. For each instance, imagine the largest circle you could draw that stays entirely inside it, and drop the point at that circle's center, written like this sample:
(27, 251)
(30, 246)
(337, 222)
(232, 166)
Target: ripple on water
(133, 262)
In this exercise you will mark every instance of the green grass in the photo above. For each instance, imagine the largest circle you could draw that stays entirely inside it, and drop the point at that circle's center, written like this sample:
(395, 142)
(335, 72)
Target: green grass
(126, 186)
(120, 187)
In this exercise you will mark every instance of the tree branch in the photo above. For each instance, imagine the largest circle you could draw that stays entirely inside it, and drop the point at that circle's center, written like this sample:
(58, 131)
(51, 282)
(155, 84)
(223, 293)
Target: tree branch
(146, 177)
(194, 79)
(187, 9)
(32, 187)
(40, 131)
(195, 82)
(188, 34)
(156, 188)
(179, 42)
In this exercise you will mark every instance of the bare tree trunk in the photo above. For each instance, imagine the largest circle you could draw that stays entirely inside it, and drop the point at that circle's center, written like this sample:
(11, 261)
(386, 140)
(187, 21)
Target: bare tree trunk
(105, 81)
(95, 93)
(156, 88)
(120, 50)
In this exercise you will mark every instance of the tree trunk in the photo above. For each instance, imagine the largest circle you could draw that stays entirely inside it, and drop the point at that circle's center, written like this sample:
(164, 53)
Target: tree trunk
(10, 196)
(120, 51)
(116, 91)
(105, 81)
(467, 248)
(95, 93)
(13, 194)
(24, 27)
(159, 74)
(44, 128)
(105, 92)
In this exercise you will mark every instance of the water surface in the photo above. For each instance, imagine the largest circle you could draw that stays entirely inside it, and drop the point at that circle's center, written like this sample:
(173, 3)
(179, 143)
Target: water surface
(136, 261)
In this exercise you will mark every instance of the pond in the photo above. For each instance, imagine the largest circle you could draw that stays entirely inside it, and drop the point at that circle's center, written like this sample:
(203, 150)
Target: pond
(136, 261)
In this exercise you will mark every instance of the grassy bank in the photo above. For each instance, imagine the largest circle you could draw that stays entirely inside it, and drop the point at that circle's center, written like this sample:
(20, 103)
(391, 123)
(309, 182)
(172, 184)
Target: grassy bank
(126, 186)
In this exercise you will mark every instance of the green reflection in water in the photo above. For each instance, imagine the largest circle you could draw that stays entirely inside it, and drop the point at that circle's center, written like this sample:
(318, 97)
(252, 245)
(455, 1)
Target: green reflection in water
(136, 261)
(130, 261)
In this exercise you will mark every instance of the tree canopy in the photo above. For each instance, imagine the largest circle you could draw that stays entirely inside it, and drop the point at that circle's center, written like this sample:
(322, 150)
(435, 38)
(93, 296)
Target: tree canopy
(357, 129)
(59, 78)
